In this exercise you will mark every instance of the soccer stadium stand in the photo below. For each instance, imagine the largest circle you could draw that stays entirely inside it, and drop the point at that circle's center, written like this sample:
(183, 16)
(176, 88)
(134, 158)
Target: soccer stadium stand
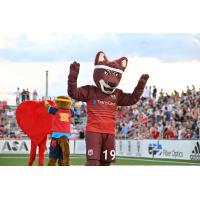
(172, 116)
(168, 117)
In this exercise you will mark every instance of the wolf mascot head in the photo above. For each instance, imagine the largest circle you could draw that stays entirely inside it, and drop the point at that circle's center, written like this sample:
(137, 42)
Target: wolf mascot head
(107, 74)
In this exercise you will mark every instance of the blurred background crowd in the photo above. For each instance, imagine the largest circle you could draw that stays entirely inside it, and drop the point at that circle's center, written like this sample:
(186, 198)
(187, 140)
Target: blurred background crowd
(158, 115)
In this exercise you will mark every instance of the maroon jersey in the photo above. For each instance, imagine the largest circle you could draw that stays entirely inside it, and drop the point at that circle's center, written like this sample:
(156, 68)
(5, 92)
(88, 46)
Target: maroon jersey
(101, 108)
(101, 114)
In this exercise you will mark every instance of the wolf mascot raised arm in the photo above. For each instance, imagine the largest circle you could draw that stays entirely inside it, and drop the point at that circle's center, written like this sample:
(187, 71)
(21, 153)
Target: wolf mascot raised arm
(102, 101)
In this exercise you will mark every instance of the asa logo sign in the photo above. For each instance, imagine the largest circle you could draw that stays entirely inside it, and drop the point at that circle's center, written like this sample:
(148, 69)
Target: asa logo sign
(15, 146)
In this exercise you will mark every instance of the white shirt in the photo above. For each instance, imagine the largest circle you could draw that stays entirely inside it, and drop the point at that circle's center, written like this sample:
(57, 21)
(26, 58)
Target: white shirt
(146, 93)
(18, 94)
(10, 113)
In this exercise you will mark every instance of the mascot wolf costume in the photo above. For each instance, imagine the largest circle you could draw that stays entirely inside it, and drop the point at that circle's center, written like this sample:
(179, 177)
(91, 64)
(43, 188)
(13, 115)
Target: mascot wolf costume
(102, 101)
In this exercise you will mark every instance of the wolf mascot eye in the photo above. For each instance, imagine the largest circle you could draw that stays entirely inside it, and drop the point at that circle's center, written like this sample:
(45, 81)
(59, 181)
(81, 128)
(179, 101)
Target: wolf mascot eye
(100, 128)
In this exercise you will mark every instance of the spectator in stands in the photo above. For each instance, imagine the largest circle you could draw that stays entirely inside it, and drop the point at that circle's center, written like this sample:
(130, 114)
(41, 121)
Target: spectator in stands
(18, 93)
(10, 113)
(145, 93)
(150, 92)
(124, 130)
(27, 94)
(188, 91)
(194, 135)
(1, 131)
(193, 91)
(1, 117)
(1, 135)
(35, 95)
(161, 93)
(154, 131)
(167, 114)
(7, 128)
(154, 92)
(18, 135)
(171, 134)
(23, 95)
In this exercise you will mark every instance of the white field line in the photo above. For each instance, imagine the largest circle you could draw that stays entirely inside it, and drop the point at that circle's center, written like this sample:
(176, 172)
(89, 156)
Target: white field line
(148, 160)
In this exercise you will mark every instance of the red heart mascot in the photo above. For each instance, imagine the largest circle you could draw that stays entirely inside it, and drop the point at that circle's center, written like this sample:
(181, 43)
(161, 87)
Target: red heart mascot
(34, 120)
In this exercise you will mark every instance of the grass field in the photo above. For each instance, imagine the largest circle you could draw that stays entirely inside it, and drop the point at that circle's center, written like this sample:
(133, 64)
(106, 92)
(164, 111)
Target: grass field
(22, 160)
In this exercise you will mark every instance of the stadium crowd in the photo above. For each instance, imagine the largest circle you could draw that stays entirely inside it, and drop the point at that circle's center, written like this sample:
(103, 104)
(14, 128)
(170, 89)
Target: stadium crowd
(162, 116)
(175, 116)
(8, 126)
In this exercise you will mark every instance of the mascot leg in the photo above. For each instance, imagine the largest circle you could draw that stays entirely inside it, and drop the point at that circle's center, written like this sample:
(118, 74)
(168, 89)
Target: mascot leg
(93, 148)
(108, 150)
(92, 163)
(52, 162)
(60, 162)
(32, 154)
(42, 148)
(64, 145)
(54, 152)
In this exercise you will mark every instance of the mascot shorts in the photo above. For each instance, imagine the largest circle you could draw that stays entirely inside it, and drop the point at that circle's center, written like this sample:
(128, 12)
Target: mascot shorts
(100, 146)
(56, 149)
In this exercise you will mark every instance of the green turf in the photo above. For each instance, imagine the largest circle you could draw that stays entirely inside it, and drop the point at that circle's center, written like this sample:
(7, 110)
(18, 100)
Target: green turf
(22, 160)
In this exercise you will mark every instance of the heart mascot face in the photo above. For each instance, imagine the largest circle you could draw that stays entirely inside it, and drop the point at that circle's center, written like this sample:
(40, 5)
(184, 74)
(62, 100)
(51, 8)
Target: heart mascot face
(34, 120)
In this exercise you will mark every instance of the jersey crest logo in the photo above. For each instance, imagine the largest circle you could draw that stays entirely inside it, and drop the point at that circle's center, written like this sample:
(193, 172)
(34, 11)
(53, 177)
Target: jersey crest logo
(64, 117)
(90, 152)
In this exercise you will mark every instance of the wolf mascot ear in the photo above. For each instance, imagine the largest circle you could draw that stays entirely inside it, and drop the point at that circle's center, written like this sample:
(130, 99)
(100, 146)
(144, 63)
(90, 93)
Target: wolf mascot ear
(102, 62)
(100, 58)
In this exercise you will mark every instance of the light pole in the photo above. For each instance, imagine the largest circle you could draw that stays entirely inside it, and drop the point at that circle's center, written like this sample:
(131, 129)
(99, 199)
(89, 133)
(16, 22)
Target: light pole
(46, 94)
